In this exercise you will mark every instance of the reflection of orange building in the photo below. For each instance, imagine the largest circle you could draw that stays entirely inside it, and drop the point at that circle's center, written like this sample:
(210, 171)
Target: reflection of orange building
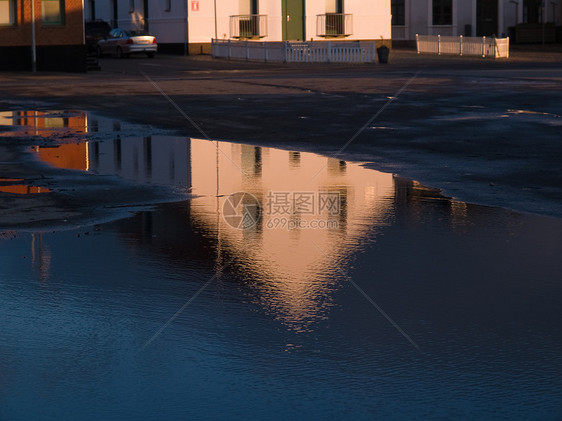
(20, 188)
(38, 123)
(71, 156)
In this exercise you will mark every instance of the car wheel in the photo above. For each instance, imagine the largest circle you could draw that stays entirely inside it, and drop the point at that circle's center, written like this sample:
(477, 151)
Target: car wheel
(98, 52)
(150, 55)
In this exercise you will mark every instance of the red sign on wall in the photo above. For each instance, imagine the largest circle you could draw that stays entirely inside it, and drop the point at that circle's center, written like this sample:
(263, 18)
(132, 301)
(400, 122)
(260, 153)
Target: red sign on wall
(195, 6)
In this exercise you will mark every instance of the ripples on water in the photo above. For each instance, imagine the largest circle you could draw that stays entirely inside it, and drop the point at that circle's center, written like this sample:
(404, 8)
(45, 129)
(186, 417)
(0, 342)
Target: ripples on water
(279, 331)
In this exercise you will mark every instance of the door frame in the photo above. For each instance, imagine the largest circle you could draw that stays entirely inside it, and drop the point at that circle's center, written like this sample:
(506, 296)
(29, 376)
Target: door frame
(285, 16)
(497, 19)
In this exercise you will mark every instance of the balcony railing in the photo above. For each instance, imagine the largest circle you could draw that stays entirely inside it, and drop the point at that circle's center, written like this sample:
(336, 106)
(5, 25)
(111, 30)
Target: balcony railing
(248, 26)
(334, 25)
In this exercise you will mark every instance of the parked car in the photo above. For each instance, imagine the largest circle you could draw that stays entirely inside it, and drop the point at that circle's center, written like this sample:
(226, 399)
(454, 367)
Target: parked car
(123, 43)
(95, 31)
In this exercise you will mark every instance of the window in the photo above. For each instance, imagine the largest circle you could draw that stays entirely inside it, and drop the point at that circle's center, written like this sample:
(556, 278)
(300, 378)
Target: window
(167, 5)
(442, 12)
(248, 7)
(92, 9)
(131, 6)
(532, 11)
(334, 6)
(7, 12)
(398, 12)
(52, 12)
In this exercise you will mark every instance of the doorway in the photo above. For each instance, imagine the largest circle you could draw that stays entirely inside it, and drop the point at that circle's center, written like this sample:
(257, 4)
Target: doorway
(486, 18)
(293, 20)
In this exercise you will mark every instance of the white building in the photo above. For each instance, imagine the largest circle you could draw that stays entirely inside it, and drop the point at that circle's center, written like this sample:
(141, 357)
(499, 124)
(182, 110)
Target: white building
(473, 17)
(189, 25)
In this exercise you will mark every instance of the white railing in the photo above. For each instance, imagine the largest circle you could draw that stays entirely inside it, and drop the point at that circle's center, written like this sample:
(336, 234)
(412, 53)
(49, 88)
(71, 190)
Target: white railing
(329, 52)
(296, 52)
(470, 46)
(248, 26)
(334, 25)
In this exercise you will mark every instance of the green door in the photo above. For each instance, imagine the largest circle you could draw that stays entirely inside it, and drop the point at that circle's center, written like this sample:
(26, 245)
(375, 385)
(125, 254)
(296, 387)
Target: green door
(293, 20)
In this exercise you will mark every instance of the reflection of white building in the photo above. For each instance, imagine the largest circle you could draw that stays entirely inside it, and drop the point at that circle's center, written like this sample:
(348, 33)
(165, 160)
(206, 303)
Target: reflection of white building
(295, 268)
(191, 24)
(160, 160)
(471, 17)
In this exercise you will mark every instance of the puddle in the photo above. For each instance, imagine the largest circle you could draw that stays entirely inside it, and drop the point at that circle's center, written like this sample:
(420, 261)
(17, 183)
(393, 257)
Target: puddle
(23, 189)
(518, 115)
(311, 212)
(162, 160)
(65, 126)
(289, 277)
(42, 123)
(8, 185)
(308, 212)
(529, 112)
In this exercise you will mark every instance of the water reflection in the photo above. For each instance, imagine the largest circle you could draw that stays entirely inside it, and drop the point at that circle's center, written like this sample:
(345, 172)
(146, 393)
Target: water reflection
(77, 305)
(42, 123)
(9, 185)
(153, 159)
(316, 211)
(40, 257)
(295, 257)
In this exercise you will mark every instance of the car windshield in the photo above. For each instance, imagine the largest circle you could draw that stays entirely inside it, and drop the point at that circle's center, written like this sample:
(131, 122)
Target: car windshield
(132, 33)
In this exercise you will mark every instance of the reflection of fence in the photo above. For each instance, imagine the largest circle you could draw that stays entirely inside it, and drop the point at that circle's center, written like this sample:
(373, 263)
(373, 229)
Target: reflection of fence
(248, 26)
(471, 46)
(334, 25)
(296, 52)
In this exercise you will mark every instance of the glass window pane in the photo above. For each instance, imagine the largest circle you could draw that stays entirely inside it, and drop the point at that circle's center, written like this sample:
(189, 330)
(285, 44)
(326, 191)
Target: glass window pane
(398, 12)
(7, 12)
(51, 12)
(442, 12)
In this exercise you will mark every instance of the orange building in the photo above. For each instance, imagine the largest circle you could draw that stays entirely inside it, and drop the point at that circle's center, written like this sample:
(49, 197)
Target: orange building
(59, 35)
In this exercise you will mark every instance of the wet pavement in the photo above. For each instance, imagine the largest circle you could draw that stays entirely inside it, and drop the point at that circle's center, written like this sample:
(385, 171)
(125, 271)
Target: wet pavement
(326, 290)
(61, 152)
(453, 122)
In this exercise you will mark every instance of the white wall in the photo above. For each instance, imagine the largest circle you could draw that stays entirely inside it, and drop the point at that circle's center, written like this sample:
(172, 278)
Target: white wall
(202, 22)
(167, 26)
(273, 11)
(371, 19)
(418, 18)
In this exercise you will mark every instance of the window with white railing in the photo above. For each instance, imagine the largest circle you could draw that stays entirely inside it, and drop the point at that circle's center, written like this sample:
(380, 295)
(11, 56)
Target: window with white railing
(334, 23)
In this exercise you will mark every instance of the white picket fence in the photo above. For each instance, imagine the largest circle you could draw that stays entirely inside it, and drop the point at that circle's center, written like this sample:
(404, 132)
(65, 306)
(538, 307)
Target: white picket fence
(296, 52)
(470, 46)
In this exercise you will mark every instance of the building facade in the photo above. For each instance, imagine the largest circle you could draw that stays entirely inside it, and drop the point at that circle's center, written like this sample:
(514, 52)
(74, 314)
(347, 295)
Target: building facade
(57, 34)
(498, 18)
(189, 25)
